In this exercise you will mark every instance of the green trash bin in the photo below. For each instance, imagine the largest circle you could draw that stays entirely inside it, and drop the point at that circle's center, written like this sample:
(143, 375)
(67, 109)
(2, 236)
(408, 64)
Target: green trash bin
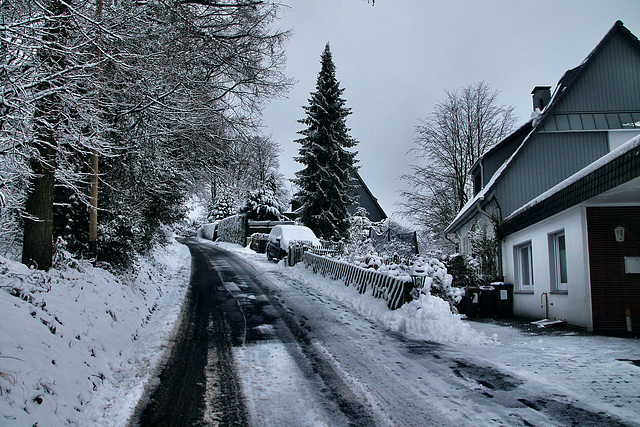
(503, 299)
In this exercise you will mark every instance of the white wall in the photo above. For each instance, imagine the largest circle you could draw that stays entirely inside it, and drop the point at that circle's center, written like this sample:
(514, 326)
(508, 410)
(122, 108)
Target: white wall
(464, 247)
(573, 306)
(619, 137)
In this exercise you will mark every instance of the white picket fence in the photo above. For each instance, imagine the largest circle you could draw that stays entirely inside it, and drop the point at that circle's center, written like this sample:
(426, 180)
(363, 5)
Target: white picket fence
(393, 290)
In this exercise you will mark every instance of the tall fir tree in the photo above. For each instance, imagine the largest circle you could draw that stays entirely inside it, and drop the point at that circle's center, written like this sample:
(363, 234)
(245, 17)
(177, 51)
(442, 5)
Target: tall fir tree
(325, 182)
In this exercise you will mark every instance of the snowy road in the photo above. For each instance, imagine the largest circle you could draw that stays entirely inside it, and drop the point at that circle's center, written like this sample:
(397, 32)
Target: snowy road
(275, 351)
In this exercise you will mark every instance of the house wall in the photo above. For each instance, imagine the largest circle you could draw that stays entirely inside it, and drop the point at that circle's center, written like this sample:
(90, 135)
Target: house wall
(547, 159)
(574, 306)
(365, 200)
(610, 83)
(492, 163)
(612, 289)
(375, 214)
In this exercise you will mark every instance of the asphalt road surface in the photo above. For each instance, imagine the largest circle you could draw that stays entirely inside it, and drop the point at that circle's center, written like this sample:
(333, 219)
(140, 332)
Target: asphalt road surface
(258, 349)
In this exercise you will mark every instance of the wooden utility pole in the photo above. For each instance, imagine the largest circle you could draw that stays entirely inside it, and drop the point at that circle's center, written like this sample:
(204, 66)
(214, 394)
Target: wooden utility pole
(93, 210)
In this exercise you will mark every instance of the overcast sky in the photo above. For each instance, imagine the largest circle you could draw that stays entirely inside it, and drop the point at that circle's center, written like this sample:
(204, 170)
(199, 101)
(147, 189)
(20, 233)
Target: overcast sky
(395, 60)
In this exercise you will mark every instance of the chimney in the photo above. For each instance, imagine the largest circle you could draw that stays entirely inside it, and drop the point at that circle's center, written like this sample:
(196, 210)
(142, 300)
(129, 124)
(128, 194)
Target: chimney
(541, 97)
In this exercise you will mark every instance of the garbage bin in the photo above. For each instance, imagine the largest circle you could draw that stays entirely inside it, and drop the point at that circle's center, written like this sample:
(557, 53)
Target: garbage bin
(471, 302)
(487, 301)
(503, 299)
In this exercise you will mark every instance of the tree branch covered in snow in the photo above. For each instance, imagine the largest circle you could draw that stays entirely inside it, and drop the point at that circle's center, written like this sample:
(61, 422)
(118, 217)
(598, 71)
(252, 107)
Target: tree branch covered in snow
(157, 89)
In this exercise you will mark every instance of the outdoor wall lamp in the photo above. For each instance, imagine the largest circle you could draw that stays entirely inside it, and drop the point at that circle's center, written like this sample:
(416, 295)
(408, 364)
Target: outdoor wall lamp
(619, 230)
(418, 277)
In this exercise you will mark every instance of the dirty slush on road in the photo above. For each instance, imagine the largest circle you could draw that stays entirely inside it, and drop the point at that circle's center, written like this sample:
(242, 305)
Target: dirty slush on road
(198, 384)
(250, 348)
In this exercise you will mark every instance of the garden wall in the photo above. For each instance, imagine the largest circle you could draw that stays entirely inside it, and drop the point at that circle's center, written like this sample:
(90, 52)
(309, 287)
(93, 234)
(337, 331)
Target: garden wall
(233, 229)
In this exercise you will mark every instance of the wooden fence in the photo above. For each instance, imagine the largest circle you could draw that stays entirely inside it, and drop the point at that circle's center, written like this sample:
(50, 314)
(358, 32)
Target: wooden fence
(393, 290)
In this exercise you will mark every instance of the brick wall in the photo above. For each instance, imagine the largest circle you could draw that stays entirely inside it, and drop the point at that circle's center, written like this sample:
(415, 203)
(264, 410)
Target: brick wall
(612, 291)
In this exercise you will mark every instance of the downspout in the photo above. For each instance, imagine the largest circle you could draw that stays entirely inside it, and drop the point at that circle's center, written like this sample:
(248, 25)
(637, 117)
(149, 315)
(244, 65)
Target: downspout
(446, 236)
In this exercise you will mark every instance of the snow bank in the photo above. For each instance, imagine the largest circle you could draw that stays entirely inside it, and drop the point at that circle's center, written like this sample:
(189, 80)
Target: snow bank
(427, 318)
(78, 344)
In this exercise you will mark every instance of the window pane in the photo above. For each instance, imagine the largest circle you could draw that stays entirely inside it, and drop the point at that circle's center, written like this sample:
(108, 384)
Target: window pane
(614, 121)
(587, 121)
(550, 124)
(526, 272)
(627, 121)
(563, 122)
(574, 122)
(562, 259)
(601, 121)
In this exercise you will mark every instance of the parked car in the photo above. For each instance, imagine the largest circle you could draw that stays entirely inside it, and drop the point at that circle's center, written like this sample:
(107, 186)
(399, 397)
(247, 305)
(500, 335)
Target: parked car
(282, 236)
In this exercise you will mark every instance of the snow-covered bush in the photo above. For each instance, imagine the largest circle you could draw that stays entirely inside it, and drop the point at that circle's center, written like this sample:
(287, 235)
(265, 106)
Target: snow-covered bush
(222, 207)
(436, 279)
(261, 205)
(484, 247)
(359, 250)
(464, 270)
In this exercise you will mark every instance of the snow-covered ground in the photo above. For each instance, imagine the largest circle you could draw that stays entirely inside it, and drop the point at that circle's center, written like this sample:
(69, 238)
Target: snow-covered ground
(594, 372)
(78, 346)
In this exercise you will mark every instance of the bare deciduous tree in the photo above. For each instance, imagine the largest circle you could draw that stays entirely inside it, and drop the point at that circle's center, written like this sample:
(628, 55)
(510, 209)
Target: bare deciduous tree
(462, 127)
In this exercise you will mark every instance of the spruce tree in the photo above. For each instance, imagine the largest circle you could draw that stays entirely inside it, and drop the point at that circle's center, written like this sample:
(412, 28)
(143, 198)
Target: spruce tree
(325, 182)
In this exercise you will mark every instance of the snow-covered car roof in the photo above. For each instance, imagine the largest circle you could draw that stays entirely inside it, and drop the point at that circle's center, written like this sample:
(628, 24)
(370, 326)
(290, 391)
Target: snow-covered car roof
(288, 233)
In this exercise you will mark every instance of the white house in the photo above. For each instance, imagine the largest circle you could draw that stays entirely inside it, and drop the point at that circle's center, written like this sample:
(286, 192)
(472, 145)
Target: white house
(562, 195)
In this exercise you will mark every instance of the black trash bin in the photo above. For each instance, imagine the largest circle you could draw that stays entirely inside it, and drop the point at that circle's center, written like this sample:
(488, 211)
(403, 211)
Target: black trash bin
(503, 299)
(471, 302)
(487, 301)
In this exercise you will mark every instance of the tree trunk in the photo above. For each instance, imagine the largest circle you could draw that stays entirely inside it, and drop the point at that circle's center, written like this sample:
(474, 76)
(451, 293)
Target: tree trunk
(37, 246)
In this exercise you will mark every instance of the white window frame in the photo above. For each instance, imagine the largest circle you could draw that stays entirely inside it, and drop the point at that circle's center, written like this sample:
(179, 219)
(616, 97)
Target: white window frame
(558, 268)
(523, 276)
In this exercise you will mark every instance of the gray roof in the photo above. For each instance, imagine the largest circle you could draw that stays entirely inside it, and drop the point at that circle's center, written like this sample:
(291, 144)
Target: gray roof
(483, 198)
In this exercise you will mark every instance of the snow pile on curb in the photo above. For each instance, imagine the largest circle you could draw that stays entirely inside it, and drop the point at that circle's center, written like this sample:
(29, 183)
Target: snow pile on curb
(78, 344)
(426, 318)
(430, 318)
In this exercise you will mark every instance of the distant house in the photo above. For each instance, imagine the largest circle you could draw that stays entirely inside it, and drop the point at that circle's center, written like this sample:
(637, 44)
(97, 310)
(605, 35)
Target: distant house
(562, 195)
(365, 199)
